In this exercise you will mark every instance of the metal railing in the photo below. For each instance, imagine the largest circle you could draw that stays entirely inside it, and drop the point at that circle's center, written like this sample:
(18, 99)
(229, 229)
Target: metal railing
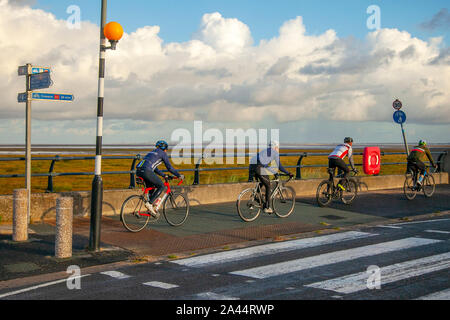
(197, 169)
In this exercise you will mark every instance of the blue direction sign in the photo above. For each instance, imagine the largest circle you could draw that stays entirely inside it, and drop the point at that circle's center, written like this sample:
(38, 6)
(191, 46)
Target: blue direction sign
(40, 81)
(35, 70)
(399, 117)
(22, 97)
(52, 96)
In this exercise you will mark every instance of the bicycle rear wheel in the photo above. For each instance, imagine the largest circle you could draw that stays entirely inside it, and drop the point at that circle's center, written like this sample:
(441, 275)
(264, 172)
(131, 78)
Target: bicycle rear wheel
(176, 209)
(283, 201)
(133, 214)
(429, 185)
(249, 205)
(408, 187)
(350, 191)
(324, 193)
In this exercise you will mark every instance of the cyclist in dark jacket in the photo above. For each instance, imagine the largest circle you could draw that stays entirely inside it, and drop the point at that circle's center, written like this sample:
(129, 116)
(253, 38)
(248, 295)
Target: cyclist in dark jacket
(415, 158)
(148, 168)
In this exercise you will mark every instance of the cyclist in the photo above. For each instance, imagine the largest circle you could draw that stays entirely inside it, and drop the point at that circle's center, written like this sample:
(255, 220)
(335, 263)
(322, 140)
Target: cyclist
(148, 168)
(261, 168)
(336, 158)
(415, 157)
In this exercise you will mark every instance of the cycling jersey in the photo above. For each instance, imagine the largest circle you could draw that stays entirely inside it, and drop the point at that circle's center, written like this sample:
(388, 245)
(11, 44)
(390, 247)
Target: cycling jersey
(419, 152)
(264, 159)
(341, 151)
(153, 159)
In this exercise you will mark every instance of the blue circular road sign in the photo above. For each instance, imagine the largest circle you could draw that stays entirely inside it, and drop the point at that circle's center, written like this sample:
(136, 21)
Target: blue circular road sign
(399, 117)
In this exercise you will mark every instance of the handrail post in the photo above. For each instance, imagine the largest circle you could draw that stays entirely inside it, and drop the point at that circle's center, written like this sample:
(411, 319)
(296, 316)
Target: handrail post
(196, 173)
(133, 172)
(298, 172)
(50, 177)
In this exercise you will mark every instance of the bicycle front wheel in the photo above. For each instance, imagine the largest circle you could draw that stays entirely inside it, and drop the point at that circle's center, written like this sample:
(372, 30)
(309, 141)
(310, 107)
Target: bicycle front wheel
(283, 201)
(324, 193)
(176, 209)
(350, 191)
(429, 185)
(408, 187)
(133, 214)
(249, 205)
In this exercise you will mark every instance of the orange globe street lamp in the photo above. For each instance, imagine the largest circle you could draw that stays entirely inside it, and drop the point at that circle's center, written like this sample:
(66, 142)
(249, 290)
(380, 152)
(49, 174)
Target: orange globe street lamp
(113, 32)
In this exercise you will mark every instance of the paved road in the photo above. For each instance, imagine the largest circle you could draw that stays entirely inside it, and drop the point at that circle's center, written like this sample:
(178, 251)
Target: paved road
(408, 260)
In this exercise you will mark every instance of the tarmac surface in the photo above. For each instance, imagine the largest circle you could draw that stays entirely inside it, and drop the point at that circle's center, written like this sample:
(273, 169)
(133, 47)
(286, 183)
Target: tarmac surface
(208, 228)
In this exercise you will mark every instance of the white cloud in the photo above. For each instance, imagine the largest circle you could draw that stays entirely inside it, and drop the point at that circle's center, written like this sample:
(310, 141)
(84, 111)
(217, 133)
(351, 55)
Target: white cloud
(222, 76)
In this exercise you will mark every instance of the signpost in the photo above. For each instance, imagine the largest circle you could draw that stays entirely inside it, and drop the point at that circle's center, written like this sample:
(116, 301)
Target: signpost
(36, 78)
(40, 81)
(400, 118)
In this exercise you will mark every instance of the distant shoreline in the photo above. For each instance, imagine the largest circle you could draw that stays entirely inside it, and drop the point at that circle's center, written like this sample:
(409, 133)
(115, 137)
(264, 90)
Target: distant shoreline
(46, 149)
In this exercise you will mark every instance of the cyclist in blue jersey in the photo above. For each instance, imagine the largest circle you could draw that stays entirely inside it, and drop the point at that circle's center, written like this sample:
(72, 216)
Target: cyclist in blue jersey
(147, 169)
(261, 168)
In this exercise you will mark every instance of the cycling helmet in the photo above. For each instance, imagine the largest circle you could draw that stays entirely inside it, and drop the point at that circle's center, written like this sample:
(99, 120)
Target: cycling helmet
(348, 139)
(422, 143)
(162, 145)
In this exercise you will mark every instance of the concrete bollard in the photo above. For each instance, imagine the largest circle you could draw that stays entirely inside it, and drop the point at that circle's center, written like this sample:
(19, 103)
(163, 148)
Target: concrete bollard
(64, 220)
(20, 215)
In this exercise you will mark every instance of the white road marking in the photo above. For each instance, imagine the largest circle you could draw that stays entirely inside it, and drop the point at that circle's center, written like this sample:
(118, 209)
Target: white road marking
(40, 286)
(115, 274)
(214, 296)
(271, 248)
(332, 257)
(396, 272)
(437, 231)
(390, 227)
(161, 285)
(414, 222)
(441, 295)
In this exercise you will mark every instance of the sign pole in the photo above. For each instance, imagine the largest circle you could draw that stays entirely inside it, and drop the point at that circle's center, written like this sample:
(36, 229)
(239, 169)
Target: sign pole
(404, 140)
(97, 183)
(28, 141)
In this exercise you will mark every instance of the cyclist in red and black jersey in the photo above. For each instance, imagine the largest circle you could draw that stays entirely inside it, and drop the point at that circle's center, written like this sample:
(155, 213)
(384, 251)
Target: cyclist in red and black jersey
(415, 159)
(336, 158)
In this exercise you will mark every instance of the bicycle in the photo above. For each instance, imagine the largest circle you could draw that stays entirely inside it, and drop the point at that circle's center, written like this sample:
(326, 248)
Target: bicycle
(410, 187)
(135, 216)
(346, 189)
(250, 201)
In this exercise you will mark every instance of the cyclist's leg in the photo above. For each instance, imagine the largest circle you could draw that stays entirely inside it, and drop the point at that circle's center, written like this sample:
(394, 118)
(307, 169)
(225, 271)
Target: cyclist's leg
(339, 163)
(332, 164)
(151, 179)
(421, 167)
(266, 182)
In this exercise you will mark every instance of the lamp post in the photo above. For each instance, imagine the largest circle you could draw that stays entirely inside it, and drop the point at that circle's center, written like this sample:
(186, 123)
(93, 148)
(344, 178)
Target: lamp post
(113, 31)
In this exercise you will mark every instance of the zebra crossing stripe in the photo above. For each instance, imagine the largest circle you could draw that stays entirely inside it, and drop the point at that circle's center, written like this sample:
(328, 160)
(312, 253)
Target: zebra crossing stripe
(396, 272)
(332, 257)
(272, 248)
(214, 296)
(441, 295)
(162, 285)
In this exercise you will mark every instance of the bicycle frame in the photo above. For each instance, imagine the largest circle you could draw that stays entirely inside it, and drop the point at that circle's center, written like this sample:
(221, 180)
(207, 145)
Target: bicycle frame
(278, 187)
(146, 191)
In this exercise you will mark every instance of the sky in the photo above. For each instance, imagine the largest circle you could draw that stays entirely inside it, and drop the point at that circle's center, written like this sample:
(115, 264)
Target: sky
(315, 70)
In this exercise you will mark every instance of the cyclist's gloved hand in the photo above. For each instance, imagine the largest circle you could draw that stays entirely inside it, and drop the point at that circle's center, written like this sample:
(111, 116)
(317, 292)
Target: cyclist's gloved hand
(181, 177)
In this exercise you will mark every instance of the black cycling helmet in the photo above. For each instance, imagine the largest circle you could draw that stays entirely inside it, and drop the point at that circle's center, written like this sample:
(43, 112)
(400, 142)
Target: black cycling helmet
(348, 139)
(162, 145)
